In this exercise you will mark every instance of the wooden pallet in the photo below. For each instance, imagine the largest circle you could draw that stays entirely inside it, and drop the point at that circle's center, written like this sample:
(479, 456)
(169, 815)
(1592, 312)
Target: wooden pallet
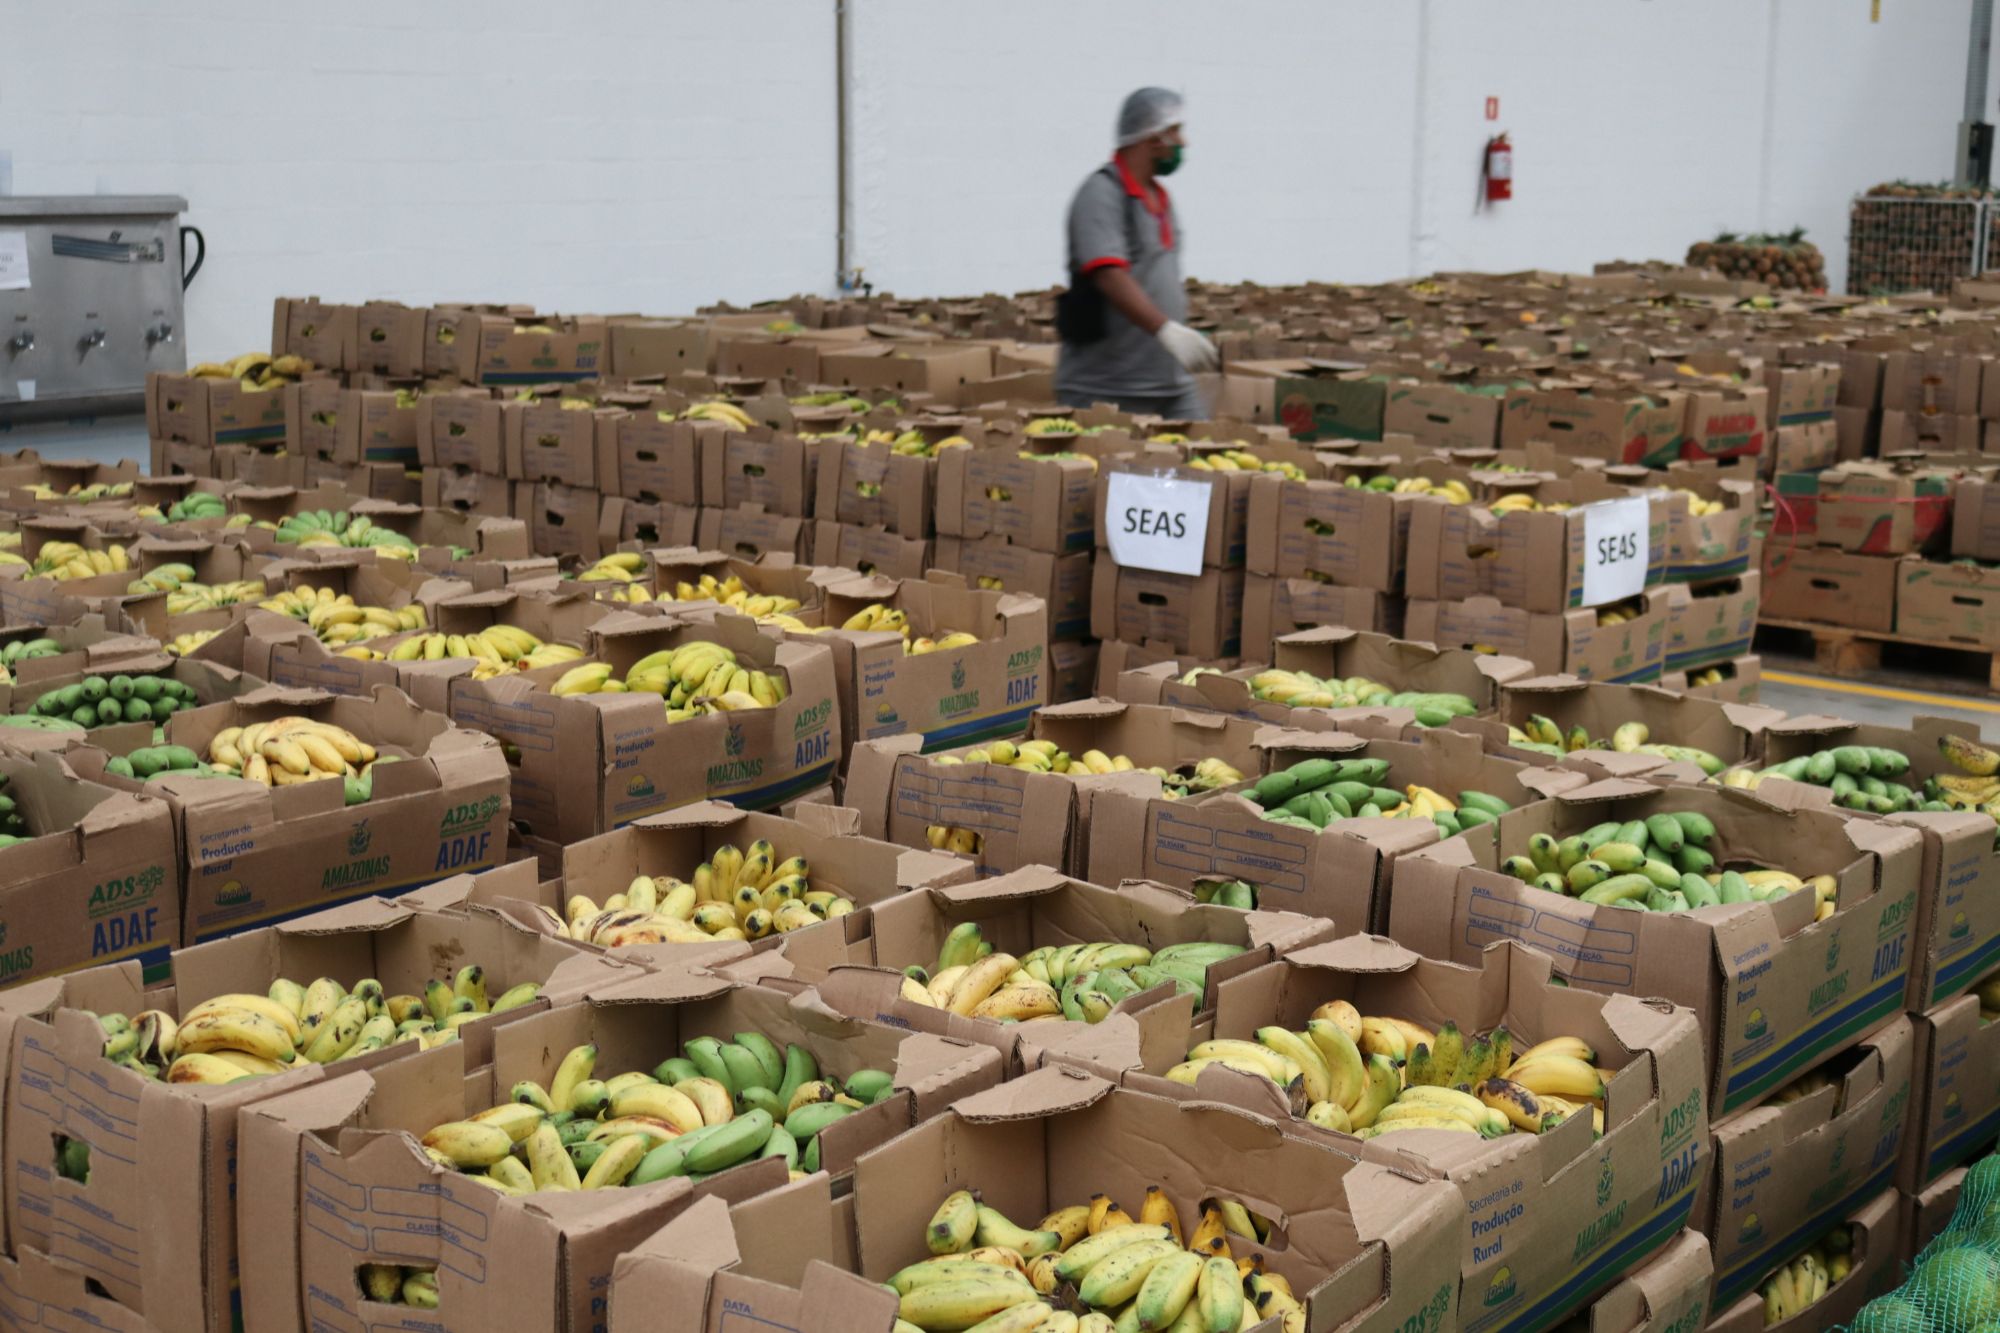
(1841, 651)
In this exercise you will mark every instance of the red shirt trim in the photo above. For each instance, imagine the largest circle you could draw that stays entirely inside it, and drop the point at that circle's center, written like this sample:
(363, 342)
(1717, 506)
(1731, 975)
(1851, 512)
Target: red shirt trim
(1160, 206)
(1106, 261)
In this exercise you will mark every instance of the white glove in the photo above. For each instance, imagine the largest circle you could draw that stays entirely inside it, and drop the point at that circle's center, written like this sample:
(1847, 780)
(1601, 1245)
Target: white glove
(1194, 352)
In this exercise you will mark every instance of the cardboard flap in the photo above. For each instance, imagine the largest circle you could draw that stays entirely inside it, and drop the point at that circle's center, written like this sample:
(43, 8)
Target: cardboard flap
(1050, 1090)
(833, 821)
(670, 986)
(1357, 953)
(1027, 882)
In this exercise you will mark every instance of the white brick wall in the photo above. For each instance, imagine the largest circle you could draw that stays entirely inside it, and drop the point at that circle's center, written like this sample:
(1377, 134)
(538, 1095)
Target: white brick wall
(618, 156)
(652, 156)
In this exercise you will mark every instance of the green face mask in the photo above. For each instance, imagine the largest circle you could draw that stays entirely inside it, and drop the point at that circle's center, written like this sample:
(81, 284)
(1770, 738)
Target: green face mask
(1168, 163)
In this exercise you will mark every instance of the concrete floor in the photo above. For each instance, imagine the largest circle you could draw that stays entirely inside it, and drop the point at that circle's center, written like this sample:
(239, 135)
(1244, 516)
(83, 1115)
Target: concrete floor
(1888, 697)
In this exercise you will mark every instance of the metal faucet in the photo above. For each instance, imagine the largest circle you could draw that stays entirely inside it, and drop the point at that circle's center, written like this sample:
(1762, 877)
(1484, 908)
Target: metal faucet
(161, 332)
(95, 338)
(20, 342)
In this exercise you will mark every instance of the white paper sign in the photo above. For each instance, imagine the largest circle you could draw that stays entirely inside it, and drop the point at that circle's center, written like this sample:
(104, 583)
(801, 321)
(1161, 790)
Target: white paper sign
(1615, 552)
(13, 261)
(1158, 523)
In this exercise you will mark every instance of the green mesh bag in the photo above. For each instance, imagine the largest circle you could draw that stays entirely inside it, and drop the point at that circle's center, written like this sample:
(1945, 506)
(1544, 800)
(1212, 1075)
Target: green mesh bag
(1954, 1286)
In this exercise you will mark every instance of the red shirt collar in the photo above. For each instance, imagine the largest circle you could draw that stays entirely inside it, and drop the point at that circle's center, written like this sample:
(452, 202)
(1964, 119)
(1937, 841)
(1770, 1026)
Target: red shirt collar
(1157, 203)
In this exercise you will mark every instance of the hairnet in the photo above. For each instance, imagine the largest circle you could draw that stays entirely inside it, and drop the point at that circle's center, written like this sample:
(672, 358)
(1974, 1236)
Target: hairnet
(1147, 112)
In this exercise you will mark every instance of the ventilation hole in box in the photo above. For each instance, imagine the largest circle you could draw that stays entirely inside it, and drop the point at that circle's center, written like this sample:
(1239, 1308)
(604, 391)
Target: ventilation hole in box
(747, 550)
(1152, 599)
(96, 1288)
(753, 469)
(647, 456)
(549, 441)
(647, 532)
(414, 1285)
(454, 429)
(72, 1158)
(552, 518)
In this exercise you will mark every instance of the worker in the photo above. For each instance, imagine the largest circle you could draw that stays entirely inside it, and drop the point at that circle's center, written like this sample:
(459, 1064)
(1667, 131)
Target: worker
(1124, 341)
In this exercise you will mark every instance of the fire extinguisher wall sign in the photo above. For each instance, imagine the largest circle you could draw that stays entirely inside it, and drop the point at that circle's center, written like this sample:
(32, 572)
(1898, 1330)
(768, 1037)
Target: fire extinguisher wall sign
(1496, 170)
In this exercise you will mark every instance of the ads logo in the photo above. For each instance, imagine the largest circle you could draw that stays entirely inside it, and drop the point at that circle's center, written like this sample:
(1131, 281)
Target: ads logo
(359, 838)
(958, 675)
(1606, 1178)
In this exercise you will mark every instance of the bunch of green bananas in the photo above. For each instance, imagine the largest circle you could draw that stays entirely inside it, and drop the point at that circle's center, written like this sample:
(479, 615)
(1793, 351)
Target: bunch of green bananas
(1314, 793)
(400, 1284)
(1862, 777)
(1543, 736)
(1240, 894)
(335, 527)
(26, 650)
(1302, 689)
(1077, 982)
(1661, 863)
(13, 824)
(1369, 1075)
(1084, 1263)
(832, 398)
(101, 701)
(1805, 1280)
(196, 505)
(720, 1104)
(228, 1037)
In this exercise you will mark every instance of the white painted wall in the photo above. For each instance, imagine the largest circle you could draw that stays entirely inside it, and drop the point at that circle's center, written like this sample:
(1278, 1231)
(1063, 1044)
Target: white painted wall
(627, 155)
(657, 154)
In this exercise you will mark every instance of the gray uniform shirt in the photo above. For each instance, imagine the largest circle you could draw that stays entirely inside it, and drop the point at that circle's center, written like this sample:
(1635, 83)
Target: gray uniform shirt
(1109, 224)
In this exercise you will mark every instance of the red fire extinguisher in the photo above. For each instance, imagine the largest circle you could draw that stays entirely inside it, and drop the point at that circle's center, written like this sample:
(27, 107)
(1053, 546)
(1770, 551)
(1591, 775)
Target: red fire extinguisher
(1497, 169)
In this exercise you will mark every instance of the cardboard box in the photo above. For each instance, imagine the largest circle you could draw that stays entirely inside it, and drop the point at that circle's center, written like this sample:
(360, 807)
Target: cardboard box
(1328, 531)
(1957, 1112)
(656, 458)
(1932, 381)
(1871, 509)
(1716, 622)
(1024, 817)
(1044, 503)
(1569, 641)
(750, 533)
(462, 429)
(1445, 416)
(348, 426)
(377, 481)
(212, 411)
(1949, 603)
(1318, 400)
(562, 520)
(1274, 608)
(715, 1263)
(871, 485)
(878, 551)
(85, 646)
(948, 697)
(1608, 423)
(641, 347)
(357, 1189)
(1956, 933)
(1947, 433)
(1732, 732)
(1061, 581)
(1201, 614)
(1340, 874)
(1975, 518)
(1829, 587)
(466, 492)
(590, 762)
(539, 349)
(1806, 448)
(1784, 1175)
(1227, 507)
(1930, 1211)
(1776, 993)
(1530, 559)
(862, 869)
(1875, 1228)
(1802, 394)
(1739, 681)
(1551, 1218)
(675, 575)
(1725, 422)
(1668, 1292)
(1712, 545)
(93, 880)
(389, 339)
(442, 809)
(321, 332)
(1326, 652)
(546, 440)
(1366, 1247)
(1072, 670)
(775, 472)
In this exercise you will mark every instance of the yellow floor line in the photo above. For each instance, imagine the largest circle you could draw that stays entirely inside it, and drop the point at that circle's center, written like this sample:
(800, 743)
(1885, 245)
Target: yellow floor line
(1882, 692)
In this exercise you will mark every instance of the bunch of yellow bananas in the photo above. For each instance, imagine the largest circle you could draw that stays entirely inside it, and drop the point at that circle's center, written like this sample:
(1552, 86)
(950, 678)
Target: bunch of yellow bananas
(731, 592)
(1522, 502)
(1706, 676)
(1369, 1075)
(10, 558)
(951, 838)
(618, 567)
(1698, 507)
(1043, 756)
(189, 597)
(718, 409)
(730, 896)
(989, 1273)
(924, 643)
(1619, 613)
(182, 644)
(338, 619)
(911, 442)
(289, 750)
(256, 372)
(498, 648)
(991, 583)
(401, 1284)
(1046, 426)
(833, 398)
(878, 617)
(228, 1037)
(1804, 1086)
(695, 679)
(1242, 460)
(1988, 991)
(1805, 1280)
(67, 560)
(96, 490)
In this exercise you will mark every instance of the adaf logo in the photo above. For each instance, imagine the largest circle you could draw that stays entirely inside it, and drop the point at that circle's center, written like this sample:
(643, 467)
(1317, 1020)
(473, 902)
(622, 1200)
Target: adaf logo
(1500, 1288)
(1606, 1178)
(358, 839)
